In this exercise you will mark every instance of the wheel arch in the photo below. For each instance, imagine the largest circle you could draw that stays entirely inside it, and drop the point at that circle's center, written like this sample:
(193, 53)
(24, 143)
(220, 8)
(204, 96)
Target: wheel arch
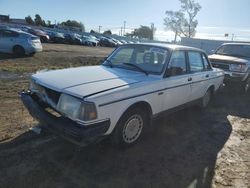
(143, 104)
(212, 88)
(138, 104)
(18, 45)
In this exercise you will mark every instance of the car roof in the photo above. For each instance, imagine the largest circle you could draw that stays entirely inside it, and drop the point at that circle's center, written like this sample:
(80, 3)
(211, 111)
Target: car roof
(168, 46)
(237, 43)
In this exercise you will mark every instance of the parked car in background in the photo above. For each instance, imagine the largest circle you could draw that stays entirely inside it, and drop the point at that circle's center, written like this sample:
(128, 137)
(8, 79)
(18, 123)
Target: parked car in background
(56, 37)
(44, 37)
(72, 39)
(136, 83)
(234, 59)
(18, 42)
(123, 41)
(117, 42)
(89, 41)
(106, 42)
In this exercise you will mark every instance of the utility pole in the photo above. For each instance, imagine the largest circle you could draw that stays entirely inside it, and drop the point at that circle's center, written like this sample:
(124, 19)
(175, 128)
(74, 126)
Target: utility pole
(124, 27)
(121, 31)
(153, 30)
(100, 28)
(232, 36)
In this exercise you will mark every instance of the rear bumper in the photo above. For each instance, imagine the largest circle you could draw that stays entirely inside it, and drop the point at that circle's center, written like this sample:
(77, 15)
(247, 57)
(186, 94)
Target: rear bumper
(34, 49)
(235, 76)
(63, 126)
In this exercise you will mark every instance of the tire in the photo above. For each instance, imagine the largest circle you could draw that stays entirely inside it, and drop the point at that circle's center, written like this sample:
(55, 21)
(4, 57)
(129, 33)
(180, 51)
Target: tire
(246, 86)
(206, 99)
(18, 51)
(130, 127)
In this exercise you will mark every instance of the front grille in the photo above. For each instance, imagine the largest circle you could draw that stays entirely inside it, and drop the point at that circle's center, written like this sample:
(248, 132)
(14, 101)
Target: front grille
(220, 66)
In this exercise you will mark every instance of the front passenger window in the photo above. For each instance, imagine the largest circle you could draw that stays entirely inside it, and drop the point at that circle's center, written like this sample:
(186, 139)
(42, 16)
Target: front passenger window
(177, 64)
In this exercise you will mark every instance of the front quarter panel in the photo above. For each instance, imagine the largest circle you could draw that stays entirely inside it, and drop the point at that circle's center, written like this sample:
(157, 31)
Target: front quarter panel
(113, 105)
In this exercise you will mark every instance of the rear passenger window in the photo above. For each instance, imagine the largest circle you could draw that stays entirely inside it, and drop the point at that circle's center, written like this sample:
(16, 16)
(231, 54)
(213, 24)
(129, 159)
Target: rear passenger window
(177, 64)
(206, 63)
(195, 61)
(7, 33)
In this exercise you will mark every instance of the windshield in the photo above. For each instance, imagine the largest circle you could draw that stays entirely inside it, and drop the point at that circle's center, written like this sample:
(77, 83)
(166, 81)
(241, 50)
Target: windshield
(149, 59)
(235, 50)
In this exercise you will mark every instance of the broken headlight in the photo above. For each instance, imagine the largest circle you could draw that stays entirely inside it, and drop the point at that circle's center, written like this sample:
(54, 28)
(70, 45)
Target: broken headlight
(76, 109)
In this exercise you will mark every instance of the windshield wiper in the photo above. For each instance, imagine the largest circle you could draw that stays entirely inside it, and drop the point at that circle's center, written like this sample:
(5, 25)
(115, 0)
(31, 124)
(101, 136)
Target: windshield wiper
(137, 67)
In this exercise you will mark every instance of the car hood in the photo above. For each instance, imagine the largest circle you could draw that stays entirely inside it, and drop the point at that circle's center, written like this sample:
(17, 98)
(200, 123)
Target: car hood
(228, 59)
(86, 81)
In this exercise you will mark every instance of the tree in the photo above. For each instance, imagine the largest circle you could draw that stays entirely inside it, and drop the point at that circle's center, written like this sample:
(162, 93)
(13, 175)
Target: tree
(29, 20)
(108, 32)
(143, 32)
(173, 22)
(191, 9)
(39, 21)
(92, 31)
(183, 22)
(73, 23)
(48, 23)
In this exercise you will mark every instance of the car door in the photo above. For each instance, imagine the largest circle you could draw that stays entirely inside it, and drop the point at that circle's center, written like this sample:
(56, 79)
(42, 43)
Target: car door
(177, 81)
(199, 75)
(7, 40)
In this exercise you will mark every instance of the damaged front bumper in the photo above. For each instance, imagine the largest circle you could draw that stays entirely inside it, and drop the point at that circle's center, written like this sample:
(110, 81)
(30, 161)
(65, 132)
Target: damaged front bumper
(63, 126)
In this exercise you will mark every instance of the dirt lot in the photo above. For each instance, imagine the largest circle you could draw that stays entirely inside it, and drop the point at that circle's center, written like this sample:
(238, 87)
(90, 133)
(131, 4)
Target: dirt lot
(190, 148)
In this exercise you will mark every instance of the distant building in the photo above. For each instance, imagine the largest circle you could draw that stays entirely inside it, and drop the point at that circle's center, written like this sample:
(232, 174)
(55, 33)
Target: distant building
(4, 18)
(18, 21)
(205, 44)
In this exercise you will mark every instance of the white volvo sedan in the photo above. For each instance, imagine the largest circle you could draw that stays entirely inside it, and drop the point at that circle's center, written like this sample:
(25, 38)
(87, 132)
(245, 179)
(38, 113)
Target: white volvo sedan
(121, 97)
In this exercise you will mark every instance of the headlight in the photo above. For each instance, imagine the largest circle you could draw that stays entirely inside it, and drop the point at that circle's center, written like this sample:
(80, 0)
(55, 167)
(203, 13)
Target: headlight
(238, 68)
(76, 109)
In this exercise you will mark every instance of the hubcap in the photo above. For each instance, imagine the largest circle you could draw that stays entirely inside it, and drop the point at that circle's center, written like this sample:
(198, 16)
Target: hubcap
(132, 128)
(247, 87)
(206, 99)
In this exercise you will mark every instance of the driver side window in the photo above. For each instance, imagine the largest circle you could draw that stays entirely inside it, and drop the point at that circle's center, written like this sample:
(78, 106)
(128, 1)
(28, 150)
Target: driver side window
(177, 64)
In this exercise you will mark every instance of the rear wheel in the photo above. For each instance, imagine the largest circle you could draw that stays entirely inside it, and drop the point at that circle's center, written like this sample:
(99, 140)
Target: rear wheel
(18, 51)
(130, 127)
(206, 98)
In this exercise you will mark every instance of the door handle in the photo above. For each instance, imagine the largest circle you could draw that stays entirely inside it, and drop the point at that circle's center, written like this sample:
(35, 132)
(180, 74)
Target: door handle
(207, 75)
(190, 79)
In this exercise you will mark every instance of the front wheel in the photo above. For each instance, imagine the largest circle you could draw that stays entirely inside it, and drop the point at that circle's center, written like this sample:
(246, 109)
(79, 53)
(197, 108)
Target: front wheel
(246, 86)
(130, 127)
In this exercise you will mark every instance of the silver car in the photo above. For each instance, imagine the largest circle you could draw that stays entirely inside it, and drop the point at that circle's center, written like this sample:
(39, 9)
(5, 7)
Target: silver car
(18, 42)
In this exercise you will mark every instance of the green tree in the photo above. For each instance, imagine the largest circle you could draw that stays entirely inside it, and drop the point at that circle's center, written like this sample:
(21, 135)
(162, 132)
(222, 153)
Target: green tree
(39, 21)
(143, 32)
(48, 23)
(183, 22)
(108, 32)
(73, 23)
(29, 20)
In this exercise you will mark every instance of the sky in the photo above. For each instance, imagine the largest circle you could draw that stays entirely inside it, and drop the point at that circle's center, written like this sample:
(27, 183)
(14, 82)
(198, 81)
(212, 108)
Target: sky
(216, 17)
